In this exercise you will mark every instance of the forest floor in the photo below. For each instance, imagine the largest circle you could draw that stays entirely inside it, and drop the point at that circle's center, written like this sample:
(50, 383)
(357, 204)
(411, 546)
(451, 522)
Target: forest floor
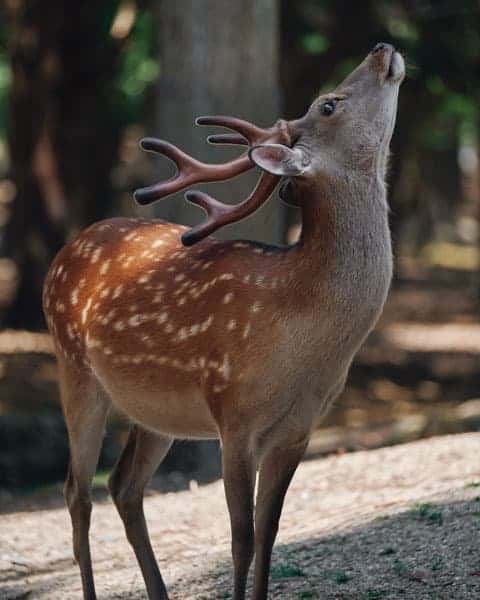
(399, 522)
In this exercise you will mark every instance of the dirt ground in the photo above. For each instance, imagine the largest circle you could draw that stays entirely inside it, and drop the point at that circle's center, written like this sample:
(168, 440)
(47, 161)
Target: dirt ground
(400, 522)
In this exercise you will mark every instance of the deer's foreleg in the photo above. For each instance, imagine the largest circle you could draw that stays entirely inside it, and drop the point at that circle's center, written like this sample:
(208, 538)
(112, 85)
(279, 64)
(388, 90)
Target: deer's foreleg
(276, 471)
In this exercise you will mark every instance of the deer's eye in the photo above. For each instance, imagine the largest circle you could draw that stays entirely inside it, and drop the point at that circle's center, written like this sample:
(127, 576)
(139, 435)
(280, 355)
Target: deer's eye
(327, 108)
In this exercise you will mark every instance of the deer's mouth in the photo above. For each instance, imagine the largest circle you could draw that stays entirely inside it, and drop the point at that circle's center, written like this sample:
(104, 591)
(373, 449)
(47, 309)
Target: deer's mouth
(396, 68)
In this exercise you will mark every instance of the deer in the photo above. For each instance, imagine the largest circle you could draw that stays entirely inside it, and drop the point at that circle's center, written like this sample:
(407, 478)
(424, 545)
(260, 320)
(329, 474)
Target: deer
(194, 337)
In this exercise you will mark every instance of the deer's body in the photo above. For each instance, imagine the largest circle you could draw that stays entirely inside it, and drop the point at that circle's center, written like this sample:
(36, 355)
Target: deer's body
(179, 337)
(230, 339)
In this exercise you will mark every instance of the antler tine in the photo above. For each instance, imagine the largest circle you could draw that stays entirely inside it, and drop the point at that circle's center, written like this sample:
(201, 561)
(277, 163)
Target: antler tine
(189, 171)
(234, 139)
(248, 130)
(219, 214)
(253, 134)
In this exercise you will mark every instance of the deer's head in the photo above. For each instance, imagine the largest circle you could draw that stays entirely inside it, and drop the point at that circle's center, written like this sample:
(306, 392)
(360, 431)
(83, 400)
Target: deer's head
(345, 133)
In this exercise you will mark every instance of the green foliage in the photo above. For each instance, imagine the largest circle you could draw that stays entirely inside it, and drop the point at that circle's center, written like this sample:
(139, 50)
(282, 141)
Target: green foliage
(315, 43)
(286, 570)
(139, 67)
(425, 512)
(341, 577)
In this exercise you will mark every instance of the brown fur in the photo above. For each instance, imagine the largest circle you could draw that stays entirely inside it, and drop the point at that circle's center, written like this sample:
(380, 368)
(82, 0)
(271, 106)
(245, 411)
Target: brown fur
(236, 340)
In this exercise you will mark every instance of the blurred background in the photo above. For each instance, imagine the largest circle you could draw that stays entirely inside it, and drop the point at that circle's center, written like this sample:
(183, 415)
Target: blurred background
(81, 82)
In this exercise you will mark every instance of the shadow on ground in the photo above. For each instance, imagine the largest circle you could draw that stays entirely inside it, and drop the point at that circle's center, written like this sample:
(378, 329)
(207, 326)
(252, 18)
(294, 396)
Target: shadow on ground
(428, 551)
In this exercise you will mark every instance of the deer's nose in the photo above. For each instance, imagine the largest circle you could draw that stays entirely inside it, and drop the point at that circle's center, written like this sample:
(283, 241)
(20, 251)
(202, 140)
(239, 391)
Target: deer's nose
(382, 46)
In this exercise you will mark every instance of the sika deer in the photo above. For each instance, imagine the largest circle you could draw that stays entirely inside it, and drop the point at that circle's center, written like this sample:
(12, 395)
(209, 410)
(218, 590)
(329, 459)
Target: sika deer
(236, 340)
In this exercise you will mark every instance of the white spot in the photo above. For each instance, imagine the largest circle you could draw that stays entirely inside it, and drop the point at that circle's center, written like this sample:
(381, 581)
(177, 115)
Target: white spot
(85, 310)
(194, 329)
(119, 325)
(60, 307)
(225, 369)
(226, 276)
(74, 297)
(181, 301)
(180, 277)
(135, 320)
(182, 334)
(231, 325)
(117, 291)
(256, 306)
(206, 265)
(246, 279)
(157, 243)
(206, 324)
(91, 342)
(96, 255)
(104, 268)
(246, 331)
(162, 317)
(228, 298)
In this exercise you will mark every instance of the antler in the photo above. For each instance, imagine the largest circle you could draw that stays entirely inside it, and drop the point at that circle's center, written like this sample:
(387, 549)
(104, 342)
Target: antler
(191, 171)
(219, 214)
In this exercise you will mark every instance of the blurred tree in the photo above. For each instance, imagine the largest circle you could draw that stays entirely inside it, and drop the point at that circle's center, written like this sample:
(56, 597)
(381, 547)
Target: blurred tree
(217, 58)
(64, 125)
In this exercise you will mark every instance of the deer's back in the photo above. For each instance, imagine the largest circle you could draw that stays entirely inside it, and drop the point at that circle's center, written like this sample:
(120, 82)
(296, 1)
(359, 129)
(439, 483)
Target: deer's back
(160, 322)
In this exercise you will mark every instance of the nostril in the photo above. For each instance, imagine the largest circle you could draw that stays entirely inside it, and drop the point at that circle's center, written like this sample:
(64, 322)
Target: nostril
(381, 46)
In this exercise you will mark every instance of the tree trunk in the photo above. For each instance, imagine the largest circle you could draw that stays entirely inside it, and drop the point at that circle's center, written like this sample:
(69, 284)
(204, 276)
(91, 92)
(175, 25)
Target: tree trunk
(217, 58)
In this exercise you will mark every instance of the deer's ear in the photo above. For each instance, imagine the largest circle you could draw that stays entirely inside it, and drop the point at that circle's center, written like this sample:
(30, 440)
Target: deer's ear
(279, 160)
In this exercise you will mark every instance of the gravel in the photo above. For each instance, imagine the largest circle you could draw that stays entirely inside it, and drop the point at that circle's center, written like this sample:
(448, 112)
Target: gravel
(400, 522)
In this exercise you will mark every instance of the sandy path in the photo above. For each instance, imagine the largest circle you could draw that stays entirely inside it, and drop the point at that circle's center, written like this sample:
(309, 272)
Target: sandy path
(400, 522)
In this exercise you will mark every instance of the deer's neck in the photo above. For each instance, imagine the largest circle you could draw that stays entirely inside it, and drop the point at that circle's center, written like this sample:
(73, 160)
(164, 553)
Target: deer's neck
(344, 257)
(345, 226)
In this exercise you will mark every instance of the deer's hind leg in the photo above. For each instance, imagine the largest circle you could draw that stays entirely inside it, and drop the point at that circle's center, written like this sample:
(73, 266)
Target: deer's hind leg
(143, 453)
(85, 408)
